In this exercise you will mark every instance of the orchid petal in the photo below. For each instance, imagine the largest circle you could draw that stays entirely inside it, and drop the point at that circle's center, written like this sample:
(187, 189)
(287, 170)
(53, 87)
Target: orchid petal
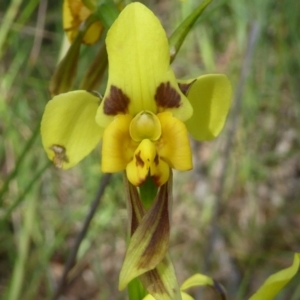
(75, 13)
(68, 128)
(186, 296)
(174, 146)
(147, 162)
(117, 146)
(135, 82)
(197, 280)
(210, 96)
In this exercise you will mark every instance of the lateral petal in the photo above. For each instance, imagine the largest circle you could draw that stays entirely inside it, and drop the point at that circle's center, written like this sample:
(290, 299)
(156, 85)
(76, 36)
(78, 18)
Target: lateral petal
(68, 128)
(210, 96)
(174, 145)
(117, 146)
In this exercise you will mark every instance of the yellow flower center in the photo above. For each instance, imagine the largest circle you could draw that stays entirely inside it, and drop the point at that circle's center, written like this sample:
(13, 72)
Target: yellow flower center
(145, 125)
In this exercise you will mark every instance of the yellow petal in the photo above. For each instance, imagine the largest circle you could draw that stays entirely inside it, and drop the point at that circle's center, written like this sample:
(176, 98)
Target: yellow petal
(138, 169)
(140, 77)
(69, 24)
(93, 34)
(174, 146)
(117, 146)
(75, 13)
(147, 162)
(145, 125)
(203, 280)
(159, 171)
(275, 283)
(184, 296)
(197, 280)
(69, 131)
(210, 96)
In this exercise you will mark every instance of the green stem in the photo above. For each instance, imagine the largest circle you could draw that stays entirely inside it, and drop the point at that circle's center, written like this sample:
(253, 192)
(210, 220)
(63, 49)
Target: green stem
(136, 290)
(7, 22)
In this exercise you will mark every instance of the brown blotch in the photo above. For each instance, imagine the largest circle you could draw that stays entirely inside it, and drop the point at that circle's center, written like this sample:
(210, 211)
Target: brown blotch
(160, 237)
(139, 161)
(184, 87)
(166, 96)
(60, 155)
(135, 207)
(157, 286)
(116, 102)
(156, 159)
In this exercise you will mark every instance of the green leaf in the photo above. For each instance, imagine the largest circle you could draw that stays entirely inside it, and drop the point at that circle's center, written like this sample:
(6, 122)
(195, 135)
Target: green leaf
(150, 241)
(178, 36)
(276, 282)
(160, 281)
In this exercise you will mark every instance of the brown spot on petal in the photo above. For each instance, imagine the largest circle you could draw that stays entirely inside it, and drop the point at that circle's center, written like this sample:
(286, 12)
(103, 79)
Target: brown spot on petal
(156, 159)
(184, 87)
(166, 96)
(60, 155)
(116, 102)
(139, 161)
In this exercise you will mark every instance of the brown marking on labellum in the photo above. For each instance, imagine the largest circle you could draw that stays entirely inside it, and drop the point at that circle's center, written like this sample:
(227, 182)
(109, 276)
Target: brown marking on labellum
(139, 161)
(184, 87)
(156, 159)
(60, 155)
(166, 96)
(116, 102)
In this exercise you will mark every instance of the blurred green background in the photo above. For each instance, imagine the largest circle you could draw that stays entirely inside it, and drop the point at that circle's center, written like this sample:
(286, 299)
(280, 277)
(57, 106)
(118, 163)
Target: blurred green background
(236, 216)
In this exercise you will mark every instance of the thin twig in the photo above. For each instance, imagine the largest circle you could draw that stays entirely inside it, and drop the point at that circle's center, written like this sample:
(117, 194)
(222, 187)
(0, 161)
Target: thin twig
(85, 226)
(26, 190)
(216, 232)
(20, 160)
(37, 37)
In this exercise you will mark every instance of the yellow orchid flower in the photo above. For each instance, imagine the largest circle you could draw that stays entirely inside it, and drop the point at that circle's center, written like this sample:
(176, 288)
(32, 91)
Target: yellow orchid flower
(74, 14)
(145, 114)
